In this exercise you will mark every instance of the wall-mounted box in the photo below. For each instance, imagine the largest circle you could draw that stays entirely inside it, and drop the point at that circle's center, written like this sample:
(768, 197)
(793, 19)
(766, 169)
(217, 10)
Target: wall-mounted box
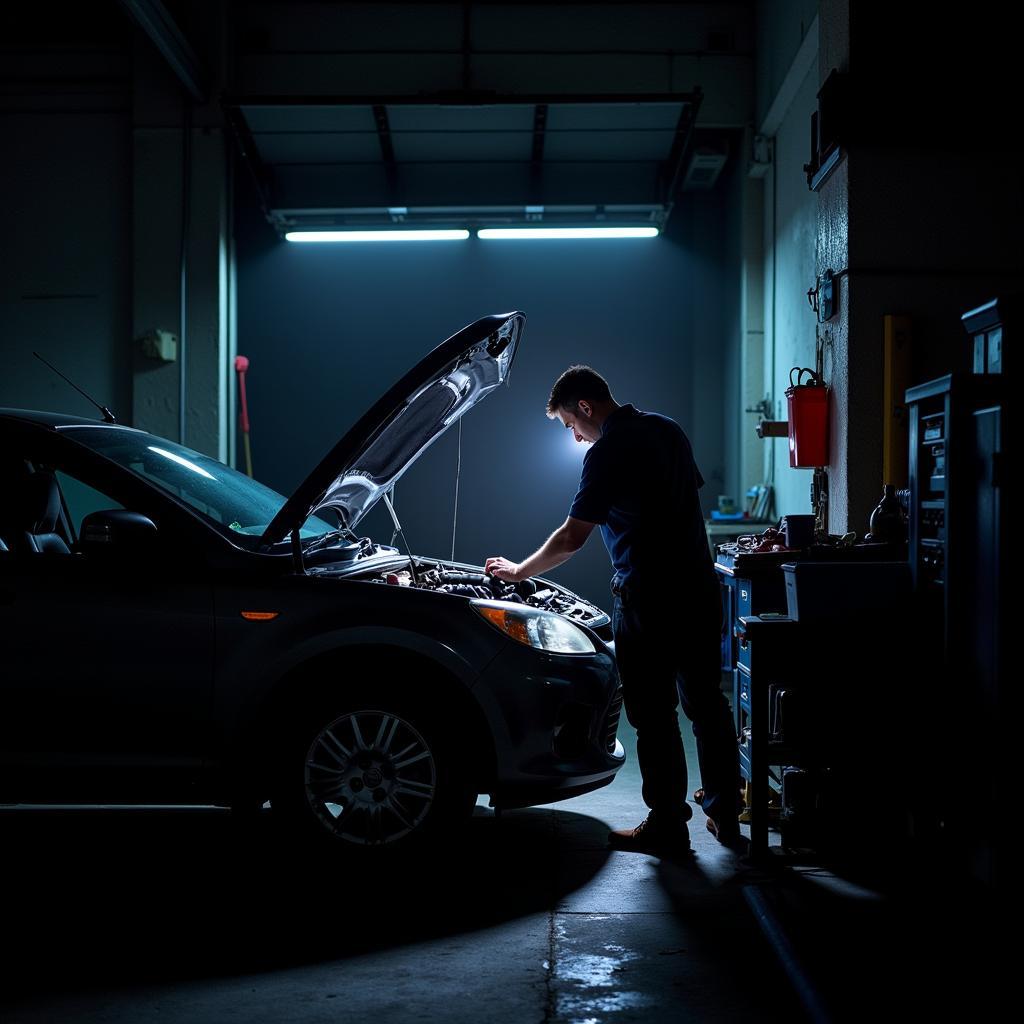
(160, 345)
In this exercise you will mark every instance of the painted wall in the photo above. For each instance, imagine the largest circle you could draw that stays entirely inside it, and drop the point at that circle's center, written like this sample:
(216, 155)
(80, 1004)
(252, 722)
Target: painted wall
(65, 286)
(791, 230)
(329, 328)
(750, 448)
(734, 420)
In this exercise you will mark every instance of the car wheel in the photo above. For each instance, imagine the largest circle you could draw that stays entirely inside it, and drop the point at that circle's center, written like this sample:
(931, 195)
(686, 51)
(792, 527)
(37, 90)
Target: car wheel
(371, 775)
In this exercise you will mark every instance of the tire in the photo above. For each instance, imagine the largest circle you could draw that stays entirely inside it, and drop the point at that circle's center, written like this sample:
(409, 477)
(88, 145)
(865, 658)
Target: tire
(369, 776)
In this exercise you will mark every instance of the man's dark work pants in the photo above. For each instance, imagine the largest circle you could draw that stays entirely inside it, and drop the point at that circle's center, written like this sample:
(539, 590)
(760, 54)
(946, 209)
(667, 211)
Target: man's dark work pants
(669, 649)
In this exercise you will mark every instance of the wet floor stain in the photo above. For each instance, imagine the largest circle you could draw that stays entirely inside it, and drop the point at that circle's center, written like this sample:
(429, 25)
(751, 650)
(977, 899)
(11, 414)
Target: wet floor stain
(593, 984)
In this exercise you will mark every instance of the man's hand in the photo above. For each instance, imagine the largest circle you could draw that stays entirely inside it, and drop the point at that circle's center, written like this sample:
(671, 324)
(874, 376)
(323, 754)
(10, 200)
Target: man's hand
(558, 548)
(503, 569)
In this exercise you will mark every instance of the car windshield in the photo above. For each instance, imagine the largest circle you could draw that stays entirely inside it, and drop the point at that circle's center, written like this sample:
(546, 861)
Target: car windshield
(232, 502)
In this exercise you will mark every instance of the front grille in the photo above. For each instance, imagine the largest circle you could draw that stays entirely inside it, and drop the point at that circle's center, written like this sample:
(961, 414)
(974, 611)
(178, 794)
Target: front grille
(611, 722)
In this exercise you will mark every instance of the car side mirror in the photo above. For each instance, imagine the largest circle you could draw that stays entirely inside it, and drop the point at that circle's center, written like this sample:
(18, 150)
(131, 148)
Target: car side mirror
(116, 531)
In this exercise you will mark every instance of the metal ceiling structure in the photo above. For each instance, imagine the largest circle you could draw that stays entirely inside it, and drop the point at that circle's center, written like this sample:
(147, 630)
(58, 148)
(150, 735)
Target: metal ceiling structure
(465, 160)
(480, 113)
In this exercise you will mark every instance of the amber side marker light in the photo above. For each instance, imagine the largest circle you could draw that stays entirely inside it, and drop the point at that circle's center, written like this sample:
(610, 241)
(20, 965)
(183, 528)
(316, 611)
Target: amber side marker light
(512, 625)
(260, 616)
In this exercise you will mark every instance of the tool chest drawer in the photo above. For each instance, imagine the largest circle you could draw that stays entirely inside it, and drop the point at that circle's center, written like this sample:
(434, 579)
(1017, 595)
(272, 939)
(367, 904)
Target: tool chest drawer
(771, 652)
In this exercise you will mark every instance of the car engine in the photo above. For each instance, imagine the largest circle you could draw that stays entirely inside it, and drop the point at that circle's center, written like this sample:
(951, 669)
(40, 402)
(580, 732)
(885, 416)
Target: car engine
(461, 583)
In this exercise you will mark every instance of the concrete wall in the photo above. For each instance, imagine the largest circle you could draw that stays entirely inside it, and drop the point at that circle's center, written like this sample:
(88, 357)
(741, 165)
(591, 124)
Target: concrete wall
(790, 236)
(751, 450)
(329, 328)
(731, 186)
(65, 290)
(791, 271)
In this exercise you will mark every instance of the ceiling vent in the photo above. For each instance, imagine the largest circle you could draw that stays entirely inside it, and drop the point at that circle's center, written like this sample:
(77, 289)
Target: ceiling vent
(705, 166)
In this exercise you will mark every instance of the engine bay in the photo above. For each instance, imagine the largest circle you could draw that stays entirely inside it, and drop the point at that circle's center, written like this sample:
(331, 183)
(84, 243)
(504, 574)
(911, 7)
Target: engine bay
(349, 556)
(465, 583)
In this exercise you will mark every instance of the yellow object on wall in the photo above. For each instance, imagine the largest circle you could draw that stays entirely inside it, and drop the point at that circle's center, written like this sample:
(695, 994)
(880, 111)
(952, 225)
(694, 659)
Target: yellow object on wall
(896, 379)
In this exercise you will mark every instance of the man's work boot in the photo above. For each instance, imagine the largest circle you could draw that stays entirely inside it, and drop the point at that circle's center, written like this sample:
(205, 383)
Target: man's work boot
(653, 836)
(727, 834)
(727, 831)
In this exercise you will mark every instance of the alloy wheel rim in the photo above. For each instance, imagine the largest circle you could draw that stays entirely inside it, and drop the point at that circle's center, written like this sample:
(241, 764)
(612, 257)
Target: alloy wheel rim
(371, 777)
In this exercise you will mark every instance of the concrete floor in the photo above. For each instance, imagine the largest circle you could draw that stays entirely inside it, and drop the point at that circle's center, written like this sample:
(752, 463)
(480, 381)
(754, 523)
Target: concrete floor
(178, 915)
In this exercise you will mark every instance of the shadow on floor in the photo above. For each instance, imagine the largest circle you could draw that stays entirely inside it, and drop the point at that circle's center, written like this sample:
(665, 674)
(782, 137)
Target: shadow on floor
(851, 939)
(102, 897)
(922, 943)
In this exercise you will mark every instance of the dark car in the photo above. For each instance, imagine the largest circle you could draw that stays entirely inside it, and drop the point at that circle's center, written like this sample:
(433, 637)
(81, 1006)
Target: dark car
(175, 632)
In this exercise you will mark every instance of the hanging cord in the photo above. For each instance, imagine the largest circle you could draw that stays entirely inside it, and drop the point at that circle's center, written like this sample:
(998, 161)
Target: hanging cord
(458, 473)
(820, 343)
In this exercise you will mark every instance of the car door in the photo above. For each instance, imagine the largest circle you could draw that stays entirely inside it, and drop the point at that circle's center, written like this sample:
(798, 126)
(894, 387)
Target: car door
(106, 688)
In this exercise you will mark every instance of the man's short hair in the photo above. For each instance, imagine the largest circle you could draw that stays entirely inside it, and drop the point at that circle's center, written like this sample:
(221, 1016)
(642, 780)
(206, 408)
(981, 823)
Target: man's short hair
(578, 382)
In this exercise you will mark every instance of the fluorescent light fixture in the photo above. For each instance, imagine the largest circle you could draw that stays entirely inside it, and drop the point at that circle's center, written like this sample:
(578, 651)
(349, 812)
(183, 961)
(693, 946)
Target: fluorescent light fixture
(377, 236)
(567, 233)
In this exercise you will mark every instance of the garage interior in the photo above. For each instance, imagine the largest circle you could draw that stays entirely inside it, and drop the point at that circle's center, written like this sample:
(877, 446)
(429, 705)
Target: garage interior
(821, 187)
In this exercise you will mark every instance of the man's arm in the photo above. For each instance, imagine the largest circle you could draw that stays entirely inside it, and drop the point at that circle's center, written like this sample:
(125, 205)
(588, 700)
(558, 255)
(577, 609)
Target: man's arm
(558, 548)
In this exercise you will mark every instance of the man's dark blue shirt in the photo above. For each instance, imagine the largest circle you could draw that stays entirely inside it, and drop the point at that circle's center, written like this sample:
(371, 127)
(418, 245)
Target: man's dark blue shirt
(640, 485)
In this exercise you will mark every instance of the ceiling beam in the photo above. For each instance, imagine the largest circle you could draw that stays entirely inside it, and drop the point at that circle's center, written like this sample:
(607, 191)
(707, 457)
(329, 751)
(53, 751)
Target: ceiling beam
(682, 143)
(540, 121)
(387, 151)
(250, 154)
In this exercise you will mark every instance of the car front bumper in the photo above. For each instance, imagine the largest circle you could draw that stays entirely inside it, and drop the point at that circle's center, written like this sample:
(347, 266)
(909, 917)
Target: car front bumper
(554, 720)
(512, 794)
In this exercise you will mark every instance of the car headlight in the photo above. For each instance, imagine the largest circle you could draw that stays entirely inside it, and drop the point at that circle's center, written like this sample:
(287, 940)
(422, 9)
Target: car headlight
(534, 627)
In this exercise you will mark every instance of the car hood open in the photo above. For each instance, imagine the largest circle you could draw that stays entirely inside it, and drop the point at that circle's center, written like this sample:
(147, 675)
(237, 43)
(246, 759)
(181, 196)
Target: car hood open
(408, 419)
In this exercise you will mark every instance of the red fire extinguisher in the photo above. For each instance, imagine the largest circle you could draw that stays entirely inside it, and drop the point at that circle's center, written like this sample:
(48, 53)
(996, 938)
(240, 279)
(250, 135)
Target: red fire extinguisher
(808, 419)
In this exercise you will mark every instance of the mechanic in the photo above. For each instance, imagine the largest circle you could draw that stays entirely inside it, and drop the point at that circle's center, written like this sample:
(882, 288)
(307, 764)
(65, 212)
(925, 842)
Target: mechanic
(640, 485)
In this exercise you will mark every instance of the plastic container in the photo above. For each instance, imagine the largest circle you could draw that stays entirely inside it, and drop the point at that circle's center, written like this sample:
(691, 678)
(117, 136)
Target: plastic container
(798, 531)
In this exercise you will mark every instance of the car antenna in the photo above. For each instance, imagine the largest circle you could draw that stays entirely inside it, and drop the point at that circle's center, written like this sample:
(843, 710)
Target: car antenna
(108, 416)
